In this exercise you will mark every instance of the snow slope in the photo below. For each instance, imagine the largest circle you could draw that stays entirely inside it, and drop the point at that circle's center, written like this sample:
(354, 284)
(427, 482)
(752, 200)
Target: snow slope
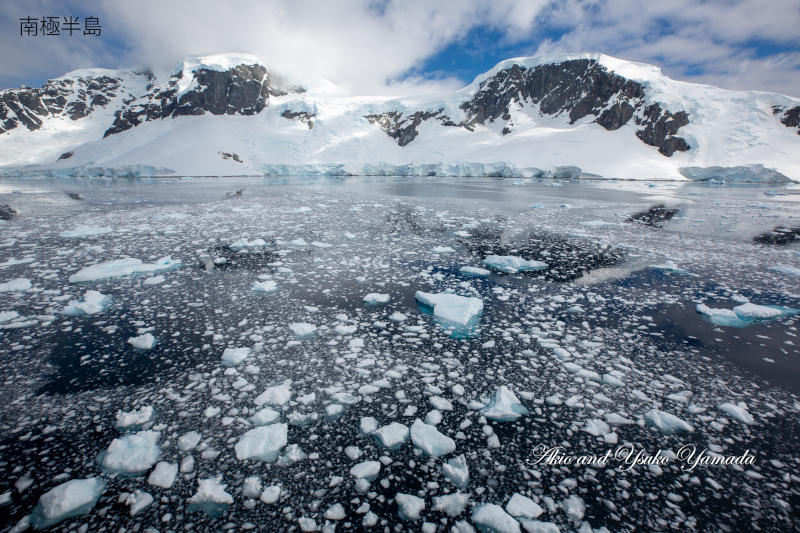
(323, 131)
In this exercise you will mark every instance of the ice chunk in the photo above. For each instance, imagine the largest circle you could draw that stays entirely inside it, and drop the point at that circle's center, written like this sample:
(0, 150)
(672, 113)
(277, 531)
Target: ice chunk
(154, 280)
(342, 329)
(138, 502)
(368, 425)
(574, 508)
(275, 395)
(596, 427)
(738, 413)
(409, 507)
(492, 518)
(132, 454)
(73, 498)
(375, 298)
(451, 307)
(210, 497)
(143, 342)
(122, 268)
(785, 270)
(368, 470)
(264, 416)
(511, 264)
(235, 356)
(265, 286)
(335, 512)
(392, 436)
(505, 406)
(302, 329)
(428, 439)
(523, 507)
(452, 504)
(271, 494)
(188, 441)
(244, 243)
(16, 285)
(474, 271)
(442, 250)
(93, 302)
(535, 526)
(251, 488)
(137, 417)
(669, 266)
(163, 475)
(666, 423)
(745, 314)
(456, 472)
(84, 231)
(263, 443)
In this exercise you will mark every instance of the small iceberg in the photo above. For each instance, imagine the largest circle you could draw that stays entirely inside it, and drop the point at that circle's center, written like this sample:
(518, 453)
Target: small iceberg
(392, 436)
(235, 356)
(492, 518)
(134, 419)
(144, 342)
(456, 471)
(16, 285)
(666, 423)
(511, 264)
(451, 307)
(474, 271)
(263, 443)
(132, 454)
(745, 314)
(670, 266)
(243, 244)
(302, 329)
(265, 286)
(84, 231)
(210, 497)
(505, 406)
(122, 268)
(428, 439)
(73, 498)
(785, 270)
(93, 302)
(442, 250)
(375, 298)
(538, 205)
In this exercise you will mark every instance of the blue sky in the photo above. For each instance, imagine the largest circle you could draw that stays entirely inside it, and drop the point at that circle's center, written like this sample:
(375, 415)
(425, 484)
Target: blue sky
(413, 46)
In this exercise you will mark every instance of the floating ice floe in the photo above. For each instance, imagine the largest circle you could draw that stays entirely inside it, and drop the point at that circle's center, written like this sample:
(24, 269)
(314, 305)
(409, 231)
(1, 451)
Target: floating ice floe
(84, 231)
(368, 425)
(666, 423)
(279, 394)
(16, 285)
(474, 271)
(143, 342)
(596, 427)
(93, 302)
(302, 329)
(451, 504)
(154, 280)
(538, 205)
(442, 250)
(523, 507)
(163, 475)
(392, 436)
(73, 498)
(242, 244)
(123, 267)
(670, 266)
(428, 439)
(451, 307)
(738, 412)
(409, 507)
(263, 443)
(135, 418)
(597, 223)
(745, 314)
(265, 286)
(368, 470)
(138, 502)
(210, 497)
(536, 526)
(505, 406)
(456, 471)
(574, 507)
(492, 518)
(132, 454)
(375, 298)
(785, 270)
(264, 416)
(188, 441)
(511, 264)
(235, 356)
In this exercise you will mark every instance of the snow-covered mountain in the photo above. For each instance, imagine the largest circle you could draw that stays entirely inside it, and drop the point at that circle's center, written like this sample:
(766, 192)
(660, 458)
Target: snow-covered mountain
(555, 115)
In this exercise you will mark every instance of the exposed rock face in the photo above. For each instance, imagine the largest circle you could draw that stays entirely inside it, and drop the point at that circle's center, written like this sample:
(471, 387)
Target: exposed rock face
(304, 116)
(789, 117)
(578, 88)
(74, 98)
(242, 90)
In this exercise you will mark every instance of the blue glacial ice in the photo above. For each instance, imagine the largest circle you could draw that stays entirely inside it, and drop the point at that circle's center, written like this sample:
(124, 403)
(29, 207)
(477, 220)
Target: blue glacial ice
(93, 302)
(73, 498)
(505, 406)
(123, 268)
(132, 454)
(745, 314)
(428, 439)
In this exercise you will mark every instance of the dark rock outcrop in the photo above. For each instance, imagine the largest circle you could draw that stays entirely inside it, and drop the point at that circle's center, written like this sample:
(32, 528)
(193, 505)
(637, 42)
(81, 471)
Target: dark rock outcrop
(304, 116)
(789, 117)
(577, 88)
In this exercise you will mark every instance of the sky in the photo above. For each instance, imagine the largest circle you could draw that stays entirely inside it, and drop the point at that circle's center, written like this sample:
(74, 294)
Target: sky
(395, 47)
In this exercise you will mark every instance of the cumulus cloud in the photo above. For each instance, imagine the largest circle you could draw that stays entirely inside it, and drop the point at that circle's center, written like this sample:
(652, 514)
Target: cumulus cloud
(371, 46)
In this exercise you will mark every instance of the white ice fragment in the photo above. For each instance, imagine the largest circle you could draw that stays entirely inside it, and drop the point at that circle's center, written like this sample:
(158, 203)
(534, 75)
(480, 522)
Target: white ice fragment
(343, 329)
(16, 285)
(368, 425)
(409, 507)
(596, 427)
(271, 494)
(442, 250)
(505, 406)
(492, 518)
(263, 443)
(451, 307)
(251, 488)
(474, 271)
(335, 512)
(302, 329)
(666, 423)
(235, 356)
(785, 270)
(73, 498)
(93, 302)
(143, 342)
(738, 413)
(210, 496)
(456, 472)
(264, 416)
(368, 470)
(84, 231)
(428, 439)
(276, 395)
(265, 286)
(392, 436)
(137, 417)
(523, 507)
(132, 454)
(374, 298)
(511, 264)
(574, 508)
(397, 316)
(535, 526)
(138, 502)
(163, 475)
(452, 504)
(188, 441)
(154, 280)
(123, 267)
